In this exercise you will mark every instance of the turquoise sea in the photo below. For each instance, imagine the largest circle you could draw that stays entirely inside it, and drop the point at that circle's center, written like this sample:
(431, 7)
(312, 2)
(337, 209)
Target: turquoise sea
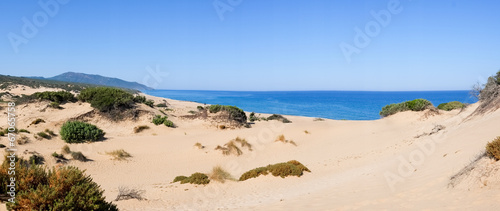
(349, 105)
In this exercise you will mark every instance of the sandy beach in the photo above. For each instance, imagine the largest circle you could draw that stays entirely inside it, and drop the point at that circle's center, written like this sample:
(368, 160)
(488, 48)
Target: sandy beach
(404, 161)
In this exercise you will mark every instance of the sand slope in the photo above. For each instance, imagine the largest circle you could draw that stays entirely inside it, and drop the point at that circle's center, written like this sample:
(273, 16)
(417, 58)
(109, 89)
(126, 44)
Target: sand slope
(355, 164)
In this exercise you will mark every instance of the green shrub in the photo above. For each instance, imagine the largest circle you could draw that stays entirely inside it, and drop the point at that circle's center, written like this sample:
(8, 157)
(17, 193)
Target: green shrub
(161, 105)
(50, 132)
(200, 108)
(55, 155)
(158, 119)
(44, 135)
(57, 97)
(36, 160)
(150, 103)
(493, 148)
(139, 99)
(2, 133)
(413, 105)
(279, 118)
(79, 156)
(196, 178)
(168, 123)
(65, 149)
(106, 98)
(498, 77)
(24, 131)
(66, 188)
(451, 106)
(55, 105)
(234, 112)
(79, 132)
(290, 168)
(252, 117)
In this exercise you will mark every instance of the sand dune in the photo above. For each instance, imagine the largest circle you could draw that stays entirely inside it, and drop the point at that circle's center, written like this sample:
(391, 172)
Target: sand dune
(399, 162)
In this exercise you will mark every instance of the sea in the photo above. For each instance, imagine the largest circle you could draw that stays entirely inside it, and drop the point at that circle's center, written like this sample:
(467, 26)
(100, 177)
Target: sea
(339, 105)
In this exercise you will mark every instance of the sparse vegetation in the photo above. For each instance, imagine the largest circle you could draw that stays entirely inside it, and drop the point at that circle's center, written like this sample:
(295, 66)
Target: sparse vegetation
(37, 121)
(318, 119)
(79, 156)
(200, 108)
(125, 193)
(235, 113)
(168, 123)
(2, 146)
(196, 178)
(36, 160)
(252, 117)
(220, 175)
(65, 188)
(413, 105)
(158, 119)
(290, 168)
(150, 103)
(140, 128)
(43, 135)
(199, 145)
(106, 99)
(65, 149)
(243, 142)
(119, 154)
(451, 106)
(493, 148)
(230, 148)
(22, 139)
(50, 132)
(281, 138)
(79, 132)
(279, 118)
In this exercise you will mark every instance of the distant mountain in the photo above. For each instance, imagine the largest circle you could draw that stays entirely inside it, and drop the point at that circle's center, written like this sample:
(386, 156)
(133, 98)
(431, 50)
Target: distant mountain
(97, 80)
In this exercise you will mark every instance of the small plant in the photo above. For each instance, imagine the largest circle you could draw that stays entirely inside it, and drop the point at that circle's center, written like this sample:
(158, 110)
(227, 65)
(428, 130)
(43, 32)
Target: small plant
(57, 155)
(139, 99)
(36, 159)
(192, 112)
(140, 128)
(119, 154)
(290, 168)
(150, 103)
(55, 105)
(22, 140)
(79, 156)
(37, 121)
(50, 132)
(230, 148)
(281, 138)
(220, 175)
(279, 118)
(125, 193)
(306, 132)
(200, 108)
(158, 120)
(252, 117)
(243, 142)
(195, 178)
(493, 148)
(199, 145)
(168, 123)
(161, 105)
(79, 132)
(65, 149)
(2, 133)
(24, 131)
(451, 106)
(43, 135)
(222, 127)
(318, 119)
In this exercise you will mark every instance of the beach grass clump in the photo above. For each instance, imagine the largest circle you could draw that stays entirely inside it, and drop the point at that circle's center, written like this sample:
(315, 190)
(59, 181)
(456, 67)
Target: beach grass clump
(290, 168)
(106, 99)
(50, 132)
(235, 113)
(43, 135)
(149, 103)
(64, 188)
(55, 97)
(199, 145)
(413, 105)
(230, 148)
(493, 148)
(79, 156)
(79, 132)
(220, 175)
(279, 117)
(281, 138)
(119, 154)
(243, 142)
(451, 106)
(55, 105)
(195, 178)
(65, 149)
(37, 121)
(140, 128)
(22, 139)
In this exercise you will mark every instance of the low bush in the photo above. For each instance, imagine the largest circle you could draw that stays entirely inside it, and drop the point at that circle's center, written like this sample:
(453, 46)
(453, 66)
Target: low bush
(57, 97)
(79, 132)
(139, 99)
(65, 188)
(79, 156)
(55, 105)
(2, 146)
(22, 139)
(161, 105)
(65, 149)
(493, 148)
(200, 108)
(106, 98)
(168, 123)
(413, 105)
(37, 121)
(451, 106)
(235, 113)
(125, 193)
(43, 135)
(50, 132)
(24, 131)
(140, 128)
(279, 118)
(158, 119)
(195, 178)
(119, 154)
(252, 117)
(290, 168)
(36, 159)
(150, 103)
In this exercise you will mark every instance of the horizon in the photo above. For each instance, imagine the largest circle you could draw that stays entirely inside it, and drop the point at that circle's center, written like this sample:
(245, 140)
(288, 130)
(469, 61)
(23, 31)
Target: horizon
(257, 45)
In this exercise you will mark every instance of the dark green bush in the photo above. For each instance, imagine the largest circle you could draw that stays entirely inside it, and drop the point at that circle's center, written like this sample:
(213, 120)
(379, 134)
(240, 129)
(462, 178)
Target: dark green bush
(55, 105)
(168, 123)
(252, 117)
(451, 106)
(106, 98)
(413, 105)
(36, 160)
(290, 168)
(200, 108)
(43, 135)
(79, 132)
(150, 103)
(65, 188)
(234, 112)
(79, 156)
(158, 119)
(195, 178)
(161, 105)
(58, 97)
(493, 148)
(279, 118)
(139, 99)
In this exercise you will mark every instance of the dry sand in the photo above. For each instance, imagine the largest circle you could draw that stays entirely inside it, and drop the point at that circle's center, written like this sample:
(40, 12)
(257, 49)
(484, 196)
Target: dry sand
(367, 165)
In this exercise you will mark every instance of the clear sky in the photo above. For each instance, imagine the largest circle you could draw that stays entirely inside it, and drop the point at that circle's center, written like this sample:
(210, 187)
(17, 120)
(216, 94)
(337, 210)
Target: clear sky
(256, 44)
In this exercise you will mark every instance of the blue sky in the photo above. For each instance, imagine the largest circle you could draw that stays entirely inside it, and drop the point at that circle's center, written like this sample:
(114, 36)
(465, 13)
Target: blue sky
(256, 44)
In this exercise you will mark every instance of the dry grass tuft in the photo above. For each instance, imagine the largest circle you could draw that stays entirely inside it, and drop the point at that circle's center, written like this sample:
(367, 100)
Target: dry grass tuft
(220, 175)
(493, 148)
(125, 193)
(23, 140)
(281, 138)
(222, 127)
(243, 142)
(229, 149)
(306, 132)
(119, 154)
(65, 149)
(199, 146)
(140, 128)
